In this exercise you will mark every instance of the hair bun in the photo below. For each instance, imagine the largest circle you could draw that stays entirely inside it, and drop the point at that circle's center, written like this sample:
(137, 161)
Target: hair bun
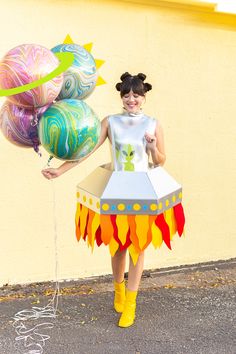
(142, 76)
(125, 75)
(118, 86)
(133, 83)
(147, 86)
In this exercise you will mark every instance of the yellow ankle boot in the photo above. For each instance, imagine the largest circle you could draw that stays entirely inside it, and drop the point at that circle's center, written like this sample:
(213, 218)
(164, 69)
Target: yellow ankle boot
(119, 299)
(128, 315)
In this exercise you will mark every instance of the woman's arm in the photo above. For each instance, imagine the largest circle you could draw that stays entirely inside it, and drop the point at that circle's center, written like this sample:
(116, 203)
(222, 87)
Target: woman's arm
(155, 145)
(50, 173)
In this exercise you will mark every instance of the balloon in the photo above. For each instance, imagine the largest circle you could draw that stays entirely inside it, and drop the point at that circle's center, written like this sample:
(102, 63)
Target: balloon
(81, 77)
(25, 64)
(69, 129)
(19, 125)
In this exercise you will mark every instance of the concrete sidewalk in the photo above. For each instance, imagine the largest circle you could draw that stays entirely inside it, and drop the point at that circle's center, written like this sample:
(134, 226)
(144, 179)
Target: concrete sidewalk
(179, 310)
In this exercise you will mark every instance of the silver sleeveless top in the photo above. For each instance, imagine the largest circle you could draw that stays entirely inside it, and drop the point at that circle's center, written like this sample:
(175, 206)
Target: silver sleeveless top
(128, 144)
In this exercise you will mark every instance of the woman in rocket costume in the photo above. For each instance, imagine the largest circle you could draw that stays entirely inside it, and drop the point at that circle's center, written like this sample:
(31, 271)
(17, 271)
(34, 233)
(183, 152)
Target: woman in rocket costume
(130, 203)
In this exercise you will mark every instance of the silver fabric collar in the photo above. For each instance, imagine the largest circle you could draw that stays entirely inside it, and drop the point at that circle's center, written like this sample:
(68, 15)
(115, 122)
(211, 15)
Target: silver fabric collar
(130, 114)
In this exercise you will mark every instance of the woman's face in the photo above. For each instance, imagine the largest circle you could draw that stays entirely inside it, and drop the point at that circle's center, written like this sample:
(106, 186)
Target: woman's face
(132, 102)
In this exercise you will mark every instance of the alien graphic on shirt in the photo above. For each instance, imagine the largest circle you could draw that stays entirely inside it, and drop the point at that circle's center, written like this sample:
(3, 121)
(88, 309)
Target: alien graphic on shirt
(125, 155)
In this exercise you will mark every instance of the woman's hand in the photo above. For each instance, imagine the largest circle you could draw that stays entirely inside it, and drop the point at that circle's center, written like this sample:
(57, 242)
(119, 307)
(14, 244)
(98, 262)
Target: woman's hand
(50, 173)
(155, 146)
(151, 142)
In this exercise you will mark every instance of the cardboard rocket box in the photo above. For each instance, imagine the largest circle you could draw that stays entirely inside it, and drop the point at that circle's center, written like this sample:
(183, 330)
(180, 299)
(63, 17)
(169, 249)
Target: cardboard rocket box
(126, 209)
(114, 192)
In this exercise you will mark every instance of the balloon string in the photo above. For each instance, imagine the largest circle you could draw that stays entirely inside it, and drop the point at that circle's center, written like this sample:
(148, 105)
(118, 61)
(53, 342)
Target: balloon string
(32, 336)
(49, 161)
(35, 140)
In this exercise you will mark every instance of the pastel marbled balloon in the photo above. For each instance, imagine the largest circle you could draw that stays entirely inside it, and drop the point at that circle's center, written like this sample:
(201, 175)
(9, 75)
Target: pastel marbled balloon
(69, 129)
(81, 77)
(25, 64)
(19, 125)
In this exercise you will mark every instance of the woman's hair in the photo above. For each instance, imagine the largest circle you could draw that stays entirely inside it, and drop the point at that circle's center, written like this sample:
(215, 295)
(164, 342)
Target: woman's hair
(135, 83)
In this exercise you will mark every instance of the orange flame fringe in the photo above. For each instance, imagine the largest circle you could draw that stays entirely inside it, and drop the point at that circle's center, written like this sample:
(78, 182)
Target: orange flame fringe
(132, 232)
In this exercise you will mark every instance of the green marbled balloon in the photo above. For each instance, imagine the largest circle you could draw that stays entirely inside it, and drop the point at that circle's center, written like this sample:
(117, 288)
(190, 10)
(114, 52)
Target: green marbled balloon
(69, 129)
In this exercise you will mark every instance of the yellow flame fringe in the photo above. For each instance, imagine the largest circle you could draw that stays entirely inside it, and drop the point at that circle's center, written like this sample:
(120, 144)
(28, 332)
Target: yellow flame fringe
(139, 230)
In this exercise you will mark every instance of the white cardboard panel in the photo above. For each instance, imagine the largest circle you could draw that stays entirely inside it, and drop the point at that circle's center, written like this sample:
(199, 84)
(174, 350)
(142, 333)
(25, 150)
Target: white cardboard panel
(162, 182)
(129, 186)
(96, 182)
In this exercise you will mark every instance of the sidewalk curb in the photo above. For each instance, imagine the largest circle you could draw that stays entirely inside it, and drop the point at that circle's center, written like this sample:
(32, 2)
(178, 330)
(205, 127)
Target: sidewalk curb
(202, 275)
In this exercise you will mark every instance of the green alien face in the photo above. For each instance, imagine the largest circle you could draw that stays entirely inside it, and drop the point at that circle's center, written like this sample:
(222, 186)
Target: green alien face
(127, 152)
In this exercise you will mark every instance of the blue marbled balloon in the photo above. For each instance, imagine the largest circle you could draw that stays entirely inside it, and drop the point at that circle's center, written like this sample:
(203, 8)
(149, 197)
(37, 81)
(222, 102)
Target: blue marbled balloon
(69, 129)
(81, 77)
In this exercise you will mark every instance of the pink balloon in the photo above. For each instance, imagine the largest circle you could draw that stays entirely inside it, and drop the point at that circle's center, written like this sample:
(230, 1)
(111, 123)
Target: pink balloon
(20, 125)
(25, 64)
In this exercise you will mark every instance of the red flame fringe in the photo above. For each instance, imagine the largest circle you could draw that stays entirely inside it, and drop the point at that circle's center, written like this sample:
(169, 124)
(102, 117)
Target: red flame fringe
(132, 232)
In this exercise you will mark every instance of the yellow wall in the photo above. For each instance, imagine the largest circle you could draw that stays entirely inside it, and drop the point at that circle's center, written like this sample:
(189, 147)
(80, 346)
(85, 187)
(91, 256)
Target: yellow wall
(190, 59)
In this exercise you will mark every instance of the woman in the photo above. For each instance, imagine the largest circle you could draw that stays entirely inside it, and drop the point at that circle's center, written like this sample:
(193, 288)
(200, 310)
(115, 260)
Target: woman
(134, 137)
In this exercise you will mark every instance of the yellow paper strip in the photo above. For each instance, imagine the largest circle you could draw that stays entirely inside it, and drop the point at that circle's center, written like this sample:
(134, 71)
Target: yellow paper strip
(142, 226)
(123, 227)
(170, 220)
(156, 236)
(89, 227)
(83, 219)
(77, 214)
(113, 246)
(133, 254)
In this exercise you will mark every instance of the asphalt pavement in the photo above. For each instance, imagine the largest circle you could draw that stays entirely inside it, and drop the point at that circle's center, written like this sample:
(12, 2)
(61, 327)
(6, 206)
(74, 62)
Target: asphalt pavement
(180, 310)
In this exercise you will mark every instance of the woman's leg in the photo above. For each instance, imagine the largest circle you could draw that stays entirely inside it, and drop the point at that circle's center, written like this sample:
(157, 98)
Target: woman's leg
(118, 262)
(118, 265)
(135, 273)
(118, 269)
